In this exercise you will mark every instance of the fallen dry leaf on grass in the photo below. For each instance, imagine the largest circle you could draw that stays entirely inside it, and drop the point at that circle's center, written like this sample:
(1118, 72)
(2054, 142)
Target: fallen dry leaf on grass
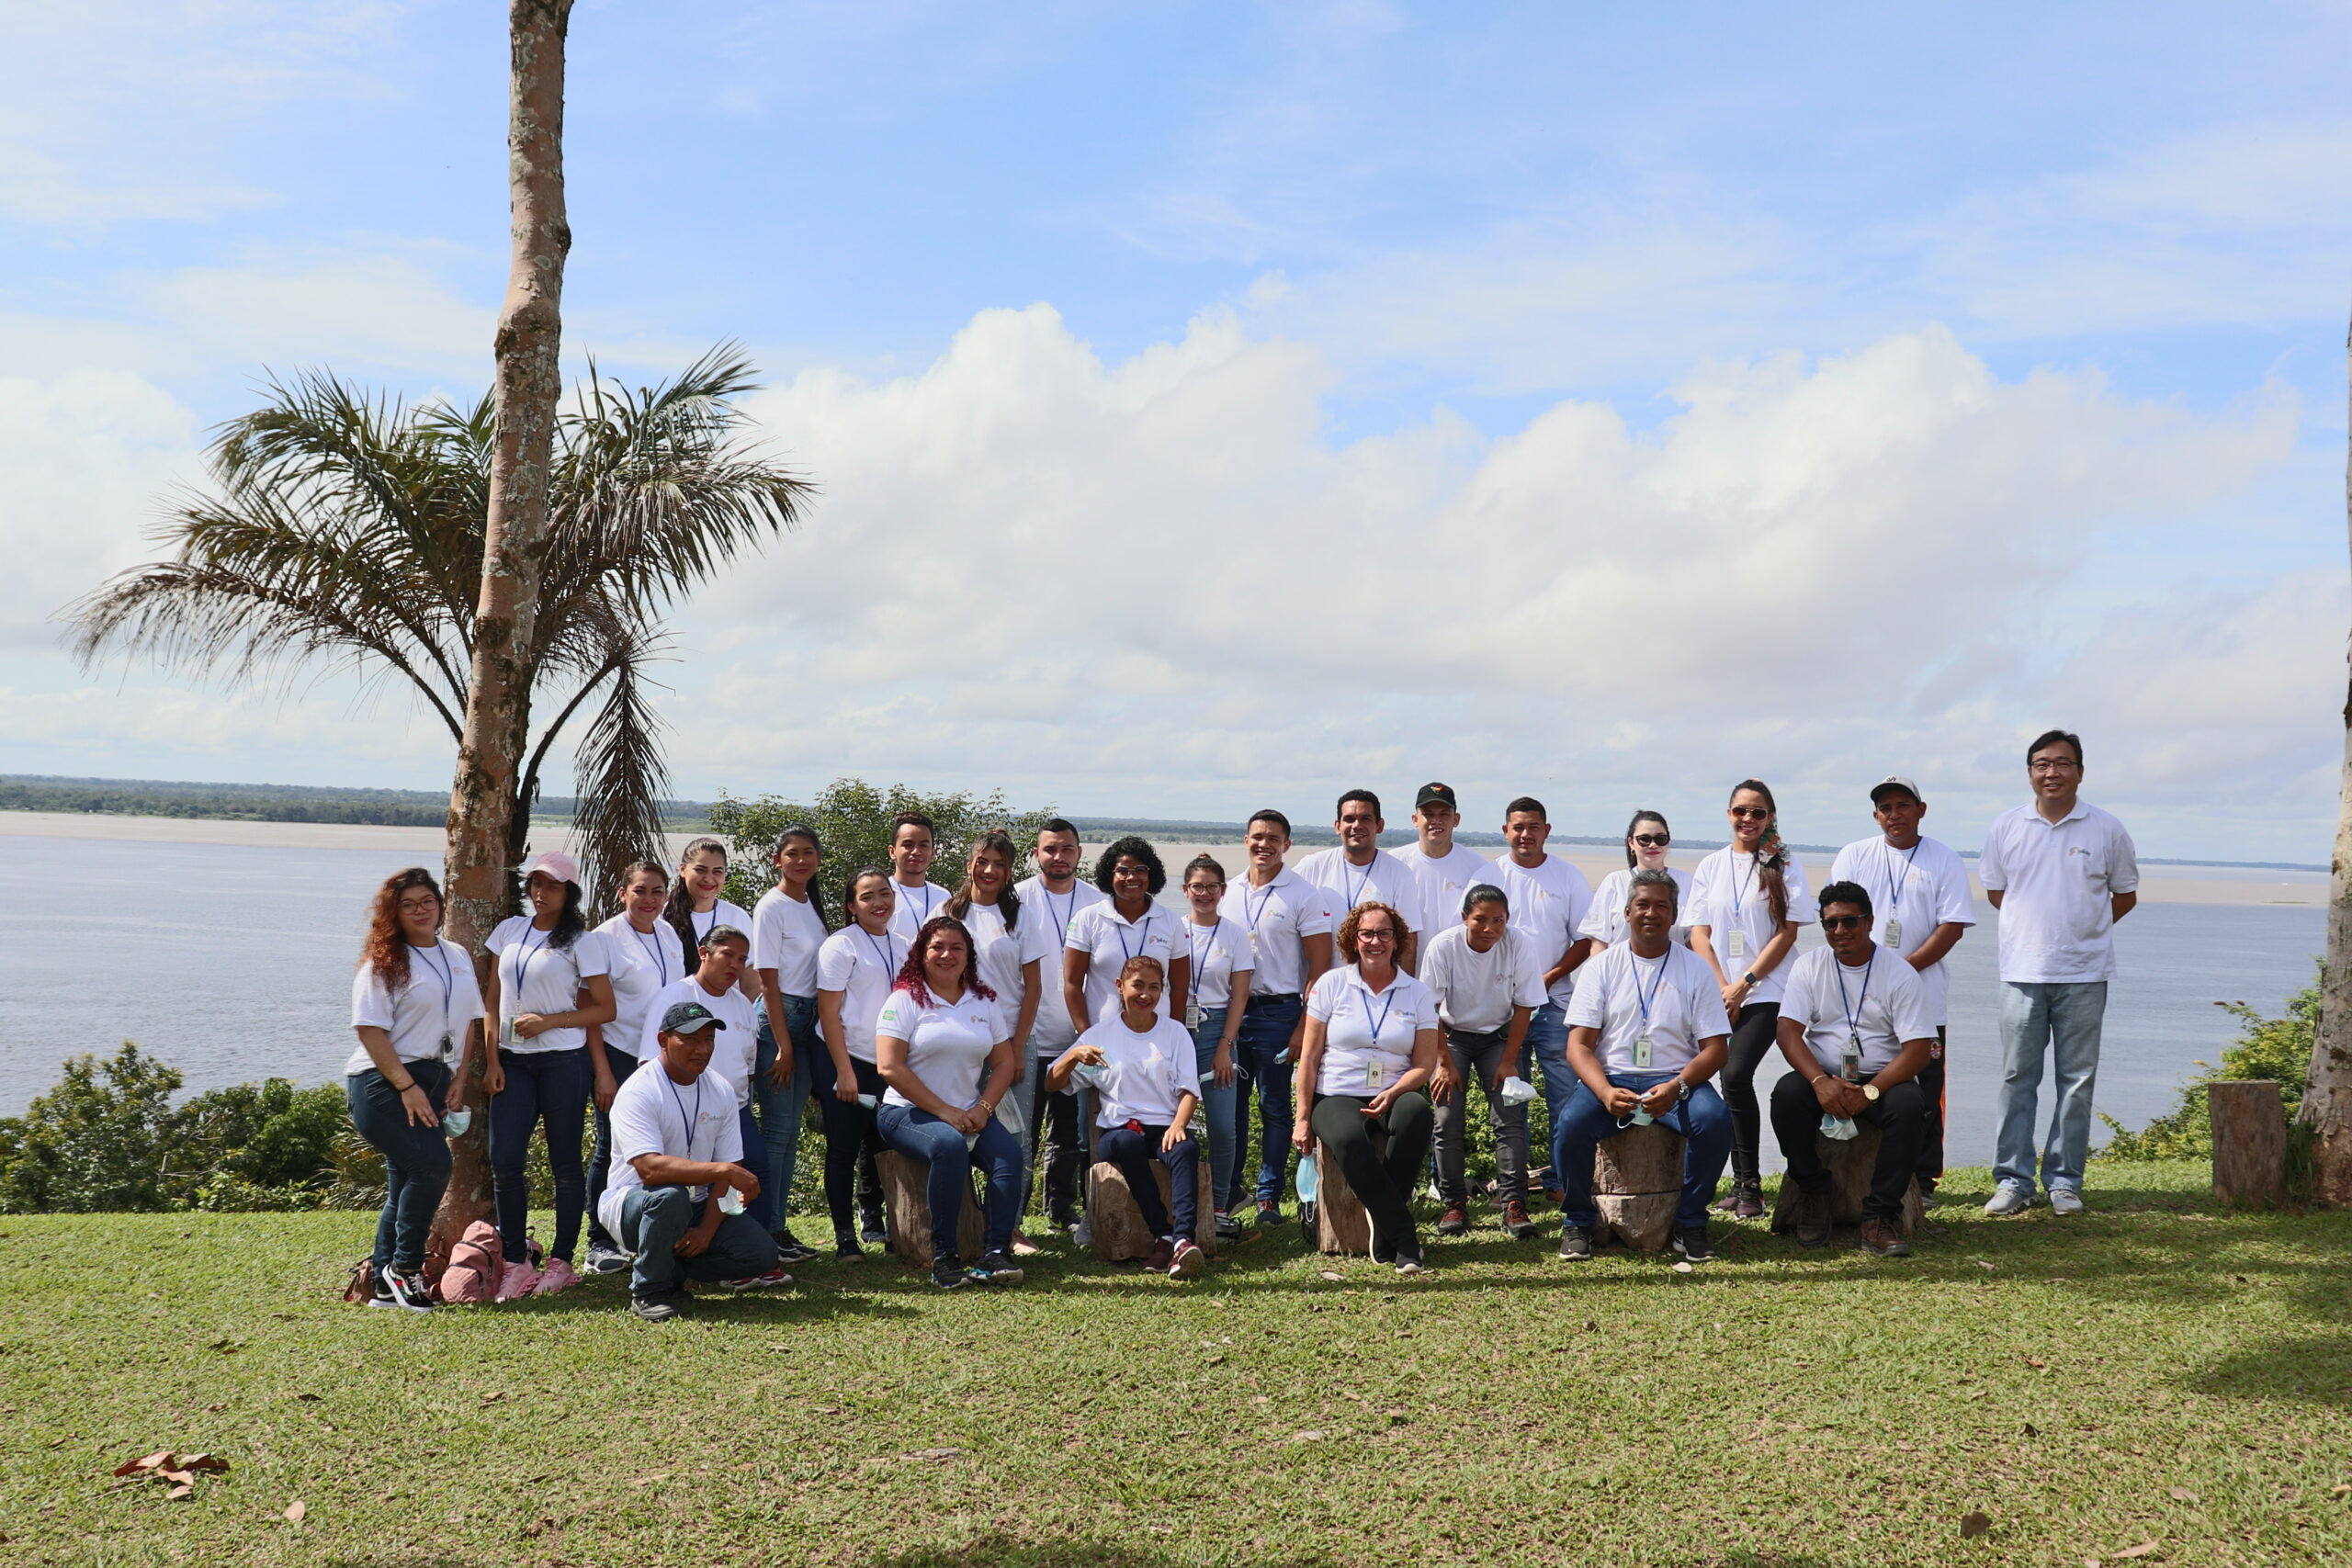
(1682, 1269)
(2036, 1362)
(1330, 1274)
(155, 1460)
(1306, 1436)
(933, 1454)
(295, 1511)
(1973, 1523)
(2146, 1549)
(2183, 1495)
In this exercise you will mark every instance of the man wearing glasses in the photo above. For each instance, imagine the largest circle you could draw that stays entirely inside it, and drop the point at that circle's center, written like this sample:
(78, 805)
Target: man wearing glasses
(1919, 896)
(2062, 873)
(1854, 1028)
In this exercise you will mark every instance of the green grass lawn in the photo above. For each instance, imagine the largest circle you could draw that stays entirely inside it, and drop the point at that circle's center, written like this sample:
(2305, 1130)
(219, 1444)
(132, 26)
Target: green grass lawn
(2153, 1373)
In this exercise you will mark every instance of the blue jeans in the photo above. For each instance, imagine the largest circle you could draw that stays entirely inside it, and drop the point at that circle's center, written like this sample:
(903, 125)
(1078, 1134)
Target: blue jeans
(416, 1161)
(1548, 1041)
(1260, 1061)
(653, 1218)
(1704, 1119)
(1220, 1104)
(918, 1134)
(2063, 1020)
(541, 1086)
(760, 1209)
(781, 1107)
(1132, 1153)
(600, 1163)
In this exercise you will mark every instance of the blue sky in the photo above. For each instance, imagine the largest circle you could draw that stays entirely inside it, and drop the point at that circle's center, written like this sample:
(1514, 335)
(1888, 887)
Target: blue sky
(2012, 337)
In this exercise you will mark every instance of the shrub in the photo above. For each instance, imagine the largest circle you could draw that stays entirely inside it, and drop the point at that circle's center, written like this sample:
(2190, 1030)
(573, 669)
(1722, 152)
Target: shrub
(2278, 1048)
(98, 1141)
(852, 820)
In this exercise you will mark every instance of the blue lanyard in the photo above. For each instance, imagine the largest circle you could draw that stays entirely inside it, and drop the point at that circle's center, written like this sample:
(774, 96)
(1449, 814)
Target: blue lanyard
(1061, 921)
(1264, 899)
(1737, 882)
(1143, 936)
(653, 951)
(1387, 1000)
(692, 1121)
(1356, 891)
(1657, 978)
(902, 890)
(881, 951)
(1193, 948)
(1895, 888)
(702, 932)
(523, 959)
(1854, 1013)
(438, 961)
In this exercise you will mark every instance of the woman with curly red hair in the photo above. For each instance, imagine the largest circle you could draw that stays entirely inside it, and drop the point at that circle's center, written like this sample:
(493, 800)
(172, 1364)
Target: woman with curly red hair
(414, 1004)
(937, 1037)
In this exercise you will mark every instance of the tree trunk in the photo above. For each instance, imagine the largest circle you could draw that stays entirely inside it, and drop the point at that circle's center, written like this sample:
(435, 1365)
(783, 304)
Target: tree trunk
(2249, 1142)
(527, 385)
(2328, 1095)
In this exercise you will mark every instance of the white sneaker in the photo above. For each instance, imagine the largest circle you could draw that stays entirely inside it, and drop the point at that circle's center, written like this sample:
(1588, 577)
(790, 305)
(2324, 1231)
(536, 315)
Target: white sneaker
(2066, 1200)
(1081, 1234)
(2009, 1200)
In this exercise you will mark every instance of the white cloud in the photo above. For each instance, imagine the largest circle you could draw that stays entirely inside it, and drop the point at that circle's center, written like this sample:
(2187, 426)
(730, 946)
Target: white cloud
(387, 305)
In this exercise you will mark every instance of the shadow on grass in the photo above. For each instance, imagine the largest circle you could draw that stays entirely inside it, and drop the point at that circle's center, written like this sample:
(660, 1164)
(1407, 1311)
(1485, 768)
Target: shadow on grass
(2314, 1368)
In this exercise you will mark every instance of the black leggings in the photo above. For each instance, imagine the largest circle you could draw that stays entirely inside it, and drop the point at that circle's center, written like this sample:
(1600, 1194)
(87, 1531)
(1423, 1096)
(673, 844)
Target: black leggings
(850, 1130)
(1383, 1182)
(1752, 1039)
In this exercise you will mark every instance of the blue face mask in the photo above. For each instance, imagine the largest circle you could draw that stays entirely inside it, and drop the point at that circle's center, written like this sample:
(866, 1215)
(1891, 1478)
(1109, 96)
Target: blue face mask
(1306, 1183)
(1838, 1127)
(455, 1123)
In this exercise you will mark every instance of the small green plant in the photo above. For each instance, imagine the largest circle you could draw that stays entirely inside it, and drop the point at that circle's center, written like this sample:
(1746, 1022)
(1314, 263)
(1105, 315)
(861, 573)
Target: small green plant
(2278, 1048)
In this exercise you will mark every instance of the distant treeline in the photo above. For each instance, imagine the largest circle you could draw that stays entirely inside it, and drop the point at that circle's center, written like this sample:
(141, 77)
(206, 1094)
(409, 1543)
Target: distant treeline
(267, 803)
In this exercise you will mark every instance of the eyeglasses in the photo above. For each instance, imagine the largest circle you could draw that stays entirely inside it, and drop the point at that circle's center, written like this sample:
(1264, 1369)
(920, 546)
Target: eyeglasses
(1653, 841)
(1843, 922)
(1744, 812)
(2052, 765)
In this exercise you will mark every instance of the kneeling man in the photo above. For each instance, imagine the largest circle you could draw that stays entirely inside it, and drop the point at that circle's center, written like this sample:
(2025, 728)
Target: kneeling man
(1646, 1030)
(677, 1148)
(1856, 1027)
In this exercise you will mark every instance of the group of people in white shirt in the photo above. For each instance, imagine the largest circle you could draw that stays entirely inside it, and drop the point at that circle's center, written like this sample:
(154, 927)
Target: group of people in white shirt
(1074, 1020)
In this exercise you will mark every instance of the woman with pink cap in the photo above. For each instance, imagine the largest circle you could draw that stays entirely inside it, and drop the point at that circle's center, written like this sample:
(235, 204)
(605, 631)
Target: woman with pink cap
(549, 984)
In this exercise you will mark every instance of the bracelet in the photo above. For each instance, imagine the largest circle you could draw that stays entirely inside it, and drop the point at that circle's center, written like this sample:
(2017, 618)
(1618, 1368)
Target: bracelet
(403, 1087)
(1815, 1081)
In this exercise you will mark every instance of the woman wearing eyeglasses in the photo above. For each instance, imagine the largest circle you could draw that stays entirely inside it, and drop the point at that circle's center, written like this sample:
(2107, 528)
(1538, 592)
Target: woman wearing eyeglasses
(1648, 837)
(1746, 901)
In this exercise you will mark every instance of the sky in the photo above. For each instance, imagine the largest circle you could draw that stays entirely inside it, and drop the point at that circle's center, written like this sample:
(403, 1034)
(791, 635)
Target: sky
(1216, 406)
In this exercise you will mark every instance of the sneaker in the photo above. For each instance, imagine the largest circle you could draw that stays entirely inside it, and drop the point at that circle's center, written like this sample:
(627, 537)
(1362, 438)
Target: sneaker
(1691, 1242)
(604, 1259)
(1881, 1239)
(1576, 1243)
(2066, 1200)
(1518, 1224)
(1729, 1203)
(1813, 1219)
(1161, 1257)
(791, 1248)
(846, 1250)
(1409, 1260)
(947, 1273)
(2007, 1200)
(1188, 1259)
(1081, 1234)
(1269, 1216)
(1228, 1227)
(659, 1308)
(558, 1274)
(996, 1269)
(1928, 1199)
(382, 1294)
(874, 1231)
(1748, 1202)
(775, 1278)
(1454, 1221)
(408, 1292)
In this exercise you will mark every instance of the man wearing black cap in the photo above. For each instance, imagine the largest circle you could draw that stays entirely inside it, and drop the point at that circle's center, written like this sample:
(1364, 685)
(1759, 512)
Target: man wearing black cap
(1444, 870)
(1918, 890)
(677, 1145)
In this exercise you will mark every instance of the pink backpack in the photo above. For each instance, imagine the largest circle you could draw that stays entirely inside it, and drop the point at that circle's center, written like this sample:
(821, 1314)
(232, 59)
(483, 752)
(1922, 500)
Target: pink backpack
(475, 1263)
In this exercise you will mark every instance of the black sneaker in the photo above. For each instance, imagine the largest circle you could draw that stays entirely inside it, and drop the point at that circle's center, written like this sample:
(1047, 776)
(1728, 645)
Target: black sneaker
(947, 1273)
(1409, 1260)
(1691, 1242)
(1576, 1243)
(996, 1269)
(1269, 1216)
(604, 1259)
(660, 1306)
(873, 1230)
(410, 1293)
(791, 1248)
(846, 1250)
(1228, 1228)
(380, 1295)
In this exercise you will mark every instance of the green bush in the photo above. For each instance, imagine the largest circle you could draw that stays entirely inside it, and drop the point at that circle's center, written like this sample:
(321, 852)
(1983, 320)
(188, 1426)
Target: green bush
(2278, 1048)
(853, 821)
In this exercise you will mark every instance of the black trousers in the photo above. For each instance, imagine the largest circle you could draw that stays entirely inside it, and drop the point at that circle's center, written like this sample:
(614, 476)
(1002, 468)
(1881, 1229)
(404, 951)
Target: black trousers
(1753, 1036)
(1931, 1084)
(1383, 1182)
(1900, 1116)
(1053, 1123)
(851, 1137)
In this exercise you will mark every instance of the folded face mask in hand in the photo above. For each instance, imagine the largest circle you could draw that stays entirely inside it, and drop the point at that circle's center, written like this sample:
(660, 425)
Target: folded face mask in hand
(1838, 1127)
(455, 1123)
(1517, 1090)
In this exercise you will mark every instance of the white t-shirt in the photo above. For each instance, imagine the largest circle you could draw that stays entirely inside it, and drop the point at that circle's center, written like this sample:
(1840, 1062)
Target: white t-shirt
(1443, 882)
(785, 934)
(1367, 1035)
(535, 976)
(2057, 925)
(643, 962)
(862, 967)
(441, 998)
(1004, 956)
(1277, 919)
(654, 1115)
(1147, 1071)
(1547, 906)
(1725, 898)
(1884, 1000)
(947, 1046)
(1685, 1007)
(1475, 991)
(1918, 890)
(1052, 1033)
(1605, 922)
(720, 914)
(1218, 952)
(911, 907)
(1109, 938)
(734, 1054)
(1387, 880)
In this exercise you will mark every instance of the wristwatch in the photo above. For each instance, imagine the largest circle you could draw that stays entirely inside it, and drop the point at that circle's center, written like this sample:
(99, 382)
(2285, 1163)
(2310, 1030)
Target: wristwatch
(1749, 978)
(1681, 1089)
(1869, 1092)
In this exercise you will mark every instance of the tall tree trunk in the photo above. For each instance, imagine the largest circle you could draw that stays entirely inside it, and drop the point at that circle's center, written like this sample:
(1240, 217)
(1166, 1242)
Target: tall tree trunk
(2328, 1095)
(530, 381)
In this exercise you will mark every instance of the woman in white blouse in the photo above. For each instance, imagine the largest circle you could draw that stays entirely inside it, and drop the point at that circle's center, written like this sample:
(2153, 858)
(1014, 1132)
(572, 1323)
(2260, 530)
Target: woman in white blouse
(941, 1044)
(788, 927)
(1370, 1046)
(1019, 950)
(1222, 965)
(415, 1003)
(855, 968)
(643, 951)
(1647, 839)
(697, 900)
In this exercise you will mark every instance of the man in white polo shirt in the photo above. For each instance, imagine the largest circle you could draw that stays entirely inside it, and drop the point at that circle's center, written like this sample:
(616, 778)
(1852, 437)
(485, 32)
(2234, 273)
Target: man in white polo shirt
(1360, 872)
(1918, 889)
(2062, 873)
(1444, 869)
(1288, 924)
(1057, 895)
(913, 845)
(1549, 899)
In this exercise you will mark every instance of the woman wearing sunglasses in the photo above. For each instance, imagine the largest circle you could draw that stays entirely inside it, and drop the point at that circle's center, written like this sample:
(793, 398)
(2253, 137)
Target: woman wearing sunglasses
(1746, 901)
(1648, 837)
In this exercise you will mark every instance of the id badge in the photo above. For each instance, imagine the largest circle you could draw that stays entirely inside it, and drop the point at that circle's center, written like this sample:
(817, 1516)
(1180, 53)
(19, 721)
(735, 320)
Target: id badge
(447, 1046)
(507, 1029)
(1642, 1052)
(1849, 1066)
(1738, 942)
(1372, 1074)
(1894, 932)
(1192, 1015)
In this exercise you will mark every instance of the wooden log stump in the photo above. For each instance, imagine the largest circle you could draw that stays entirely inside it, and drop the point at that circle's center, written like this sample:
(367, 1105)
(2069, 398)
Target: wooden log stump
(1343, 1225)
(1636, 1186)
(1850, 1162)
(906, 1205)
(2249, 1142)
(1116, 1220)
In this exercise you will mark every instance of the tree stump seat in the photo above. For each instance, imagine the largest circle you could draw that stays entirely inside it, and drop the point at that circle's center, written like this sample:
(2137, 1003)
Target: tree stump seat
(1637, 1187)
(1850, 1161)
(906, 1207)
(1343, 1225)
(1115, 1219)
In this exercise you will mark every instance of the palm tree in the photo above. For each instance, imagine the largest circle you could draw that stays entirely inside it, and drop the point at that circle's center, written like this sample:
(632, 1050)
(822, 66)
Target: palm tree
(346, 535)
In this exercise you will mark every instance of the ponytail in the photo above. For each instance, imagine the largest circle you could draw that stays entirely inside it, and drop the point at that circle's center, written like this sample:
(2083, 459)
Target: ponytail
(1771, 854)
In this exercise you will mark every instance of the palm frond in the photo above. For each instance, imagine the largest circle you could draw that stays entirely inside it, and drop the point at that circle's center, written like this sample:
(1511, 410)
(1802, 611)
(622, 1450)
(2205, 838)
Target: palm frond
(621, 776)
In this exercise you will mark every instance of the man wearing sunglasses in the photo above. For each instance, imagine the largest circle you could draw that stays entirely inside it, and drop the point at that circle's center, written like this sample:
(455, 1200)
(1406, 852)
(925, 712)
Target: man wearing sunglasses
(1919, 890)
(1854, 1027)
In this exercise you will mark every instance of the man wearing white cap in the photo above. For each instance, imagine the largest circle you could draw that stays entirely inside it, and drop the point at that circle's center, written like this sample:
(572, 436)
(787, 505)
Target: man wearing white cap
(1918, 889)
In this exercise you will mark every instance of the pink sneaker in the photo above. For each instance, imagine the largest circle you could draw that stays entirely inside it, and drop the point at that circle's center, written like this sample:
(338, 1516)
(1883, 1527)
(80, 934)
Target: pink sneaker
(557, 1276)
(515, 1280)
